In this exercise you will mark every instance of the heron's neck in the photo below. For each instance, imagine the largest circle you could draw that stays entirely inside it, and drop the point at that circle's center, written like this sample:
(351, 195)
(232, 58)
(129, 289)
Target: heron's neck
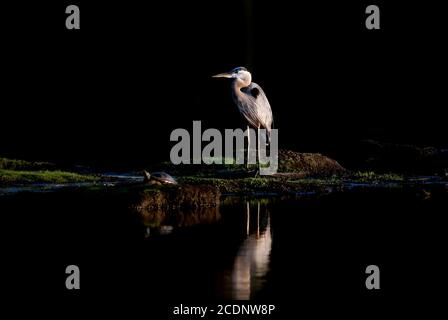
(238, 84)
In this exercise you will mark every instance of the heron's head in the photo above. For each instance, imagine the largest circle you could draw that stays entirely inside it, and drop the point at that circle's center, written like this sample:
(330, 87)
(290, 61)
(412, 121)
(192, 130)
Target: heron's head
(240, 74)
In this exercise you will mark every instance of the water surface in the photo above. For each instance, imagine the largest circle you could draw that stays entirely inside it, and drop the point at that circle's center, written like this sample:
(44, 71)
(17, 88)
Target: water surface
(273, 249)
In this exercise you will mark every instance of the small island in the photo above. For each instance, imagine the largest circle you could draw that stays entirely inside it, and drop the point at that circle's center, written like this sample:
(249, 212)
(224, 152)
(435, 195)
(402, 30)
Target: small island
(203, 185)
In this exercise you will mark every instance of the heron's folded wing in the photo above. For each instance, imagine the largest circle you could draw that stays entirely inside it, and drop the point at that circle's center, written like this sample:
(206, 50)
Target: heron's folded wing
(256, 108)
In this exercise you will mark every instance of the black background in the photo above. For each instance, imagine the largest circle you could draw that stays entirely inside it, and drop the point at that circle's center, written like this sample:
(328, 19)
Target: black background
(111, 93)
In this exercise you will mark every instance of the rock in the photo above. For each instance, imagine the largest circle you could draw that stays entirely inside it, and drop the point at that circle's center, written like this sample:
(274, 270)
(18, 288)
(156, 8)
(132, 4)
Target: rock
(308, 164)
(158, 178)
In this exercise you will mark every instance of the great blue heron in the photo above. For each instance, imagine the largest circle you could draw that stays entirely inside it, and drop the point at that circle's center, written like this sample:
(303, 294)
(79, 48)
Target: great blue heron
(251, 102)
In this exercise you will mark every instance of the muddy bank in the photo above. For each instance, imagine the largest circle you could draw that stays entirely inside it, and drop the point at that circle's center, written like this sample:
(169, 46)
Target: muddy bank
(163, 207)
(185, 197)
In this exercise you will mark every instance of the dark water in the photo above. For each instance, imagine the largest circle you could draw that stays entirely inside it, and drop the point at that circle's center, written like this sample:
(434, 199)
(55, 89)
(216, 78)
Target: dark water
(303, 251)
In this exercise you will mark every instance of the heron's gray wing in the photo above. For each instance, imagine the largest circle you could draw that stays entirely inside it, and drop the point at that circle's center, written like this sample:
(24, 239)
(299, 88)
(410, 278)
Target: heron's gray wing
(255, 107)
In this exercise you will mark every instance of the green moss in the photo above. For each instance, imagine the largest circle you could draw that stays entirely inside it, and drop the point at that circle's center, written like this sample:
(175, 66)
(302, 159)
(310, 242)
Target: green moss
(289, 184)
(278, 185)
(13, 164)
(22, 177)
(372, 177)
(330, 181)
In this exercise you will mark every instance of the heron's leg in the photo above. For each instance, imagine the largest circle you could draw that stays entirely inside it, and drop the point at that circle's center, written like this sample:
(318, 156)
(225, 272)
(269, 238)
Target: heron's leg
(258, 220)
(248, 217)
(258, 146)
(248, 147)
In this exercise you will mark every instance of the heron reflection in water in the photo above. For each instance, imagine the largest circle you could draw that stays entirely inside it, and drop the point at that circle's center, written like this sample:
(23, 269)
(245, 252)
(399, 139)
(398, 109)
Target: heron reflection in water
(251, 263)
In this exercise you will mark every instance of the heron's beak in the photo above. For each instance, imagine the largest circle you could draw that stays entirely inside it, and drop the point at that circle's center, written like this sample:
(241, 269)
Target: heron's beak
(223, 75)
